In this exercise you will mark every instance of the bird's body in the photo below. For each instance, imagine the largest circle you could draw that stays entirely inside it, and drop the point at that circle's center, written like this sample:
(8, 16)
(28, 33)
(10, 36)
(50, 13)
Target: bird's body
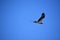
(40, 19)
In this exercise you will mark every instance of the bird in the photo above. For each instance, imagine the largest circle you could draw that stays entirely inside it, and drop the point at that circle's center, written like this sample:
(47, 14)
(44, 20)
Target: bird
(39, 21)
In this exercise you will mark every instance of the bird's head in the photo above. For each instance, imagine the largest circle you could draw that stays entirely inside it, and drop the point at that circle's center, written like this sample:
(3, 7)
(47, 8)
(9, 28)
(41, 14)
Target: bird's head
(43, 13)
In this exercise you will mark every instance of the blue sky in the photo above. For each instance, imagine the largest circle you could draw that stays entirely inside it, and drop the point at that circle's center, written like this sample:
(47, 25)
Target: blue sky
(17, 18)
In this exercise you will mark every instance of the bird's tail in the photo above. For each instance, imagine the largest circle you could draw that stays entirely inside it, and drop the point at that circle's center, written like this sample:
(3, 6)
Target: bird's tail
(35, 21)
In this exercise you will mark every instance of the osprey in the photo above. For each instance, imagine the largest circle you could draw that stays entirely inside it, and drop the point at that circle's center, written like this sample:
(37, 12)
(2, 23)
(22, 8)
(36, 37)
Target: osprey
(40, 19)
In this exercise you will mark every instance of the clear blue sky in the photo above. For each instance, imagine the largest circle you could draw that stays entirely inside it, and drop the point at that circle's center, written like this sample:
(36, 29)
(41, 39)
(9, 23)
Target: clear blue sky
(17, 20)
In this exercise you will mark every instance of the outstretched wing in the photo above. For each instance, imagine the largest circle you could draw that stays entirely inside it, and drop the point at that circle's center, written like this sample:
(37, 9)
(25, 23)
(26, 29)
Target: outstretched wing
(41, 18)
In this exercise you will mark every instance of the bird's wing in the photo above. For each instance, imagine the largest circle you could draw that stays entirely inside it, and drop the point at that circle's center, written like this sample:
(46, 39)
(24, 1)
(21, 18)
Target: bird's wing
(40, 19)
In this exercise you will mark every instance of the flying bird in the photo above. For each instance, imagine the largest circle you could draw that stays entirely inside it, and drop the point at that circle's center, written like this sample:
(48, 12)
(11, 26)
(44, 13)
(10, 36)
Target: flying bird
(39, 21)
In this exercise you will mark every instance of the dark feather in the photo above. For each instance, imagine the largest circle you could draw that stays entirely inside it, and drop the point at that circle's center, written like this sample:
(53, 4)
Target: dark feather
(42, 16)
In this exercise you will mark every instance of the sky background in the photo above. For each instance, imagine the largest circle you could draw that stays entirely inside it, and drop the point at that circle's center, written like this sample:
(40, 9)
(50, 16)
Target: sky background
(17, 16)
